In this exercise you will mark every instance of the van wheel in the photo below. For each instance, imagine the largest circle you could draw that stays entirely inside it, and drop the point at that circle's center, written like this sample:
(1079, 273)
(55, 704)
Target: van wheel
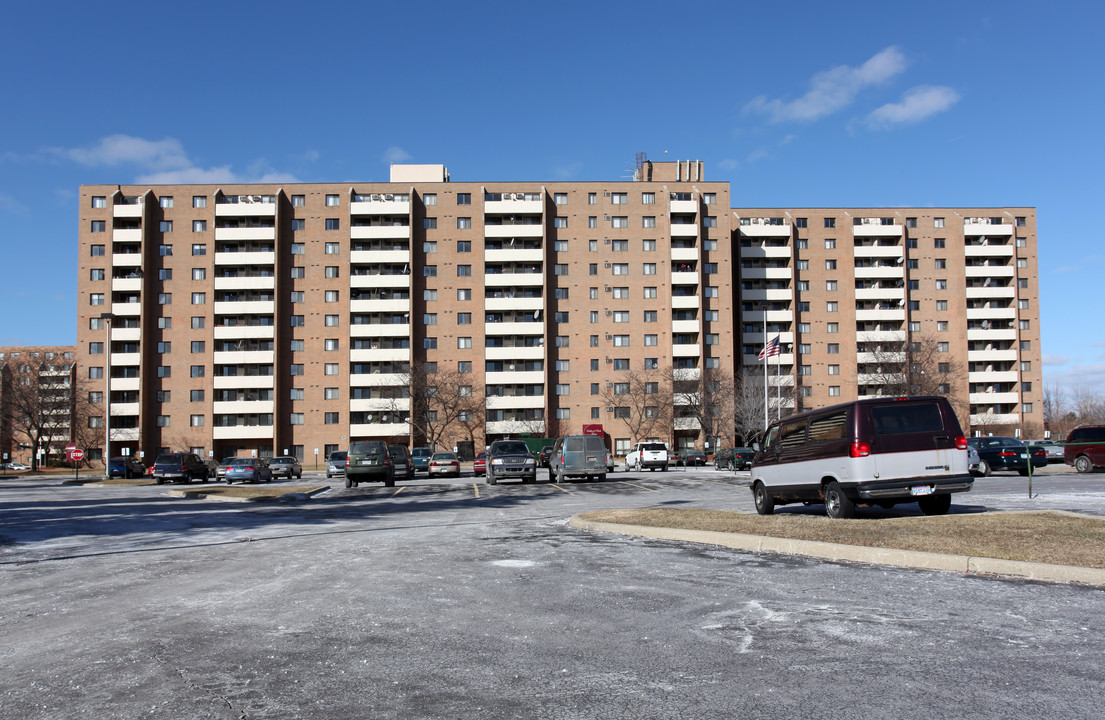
(1082, 464)
(838, 505)
(602, 478)
(935, 504)
(765, 504)
(983, 468)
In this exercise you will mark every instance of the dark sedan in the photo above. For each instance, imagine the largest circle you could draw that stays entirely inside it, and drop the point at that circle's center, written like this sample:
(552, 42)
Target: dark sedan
(734, 458)
(1005, 453)
(690, 458)
(126, 467)
(253, 470)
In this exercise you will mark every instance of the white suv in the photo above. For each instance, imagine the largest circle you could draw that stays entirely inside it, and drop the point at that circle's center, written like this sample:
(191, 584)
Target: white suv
(651, 455)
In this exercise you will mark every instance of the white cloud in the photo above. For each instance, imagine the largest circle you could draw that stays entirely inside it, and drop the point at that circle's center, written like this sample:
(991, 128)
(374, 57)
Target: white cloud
(757, 154)
(164, 162)
(396, 154)
(1055, 359)
(832, 90)
(8, 204)
(917, 104)
(729, 164)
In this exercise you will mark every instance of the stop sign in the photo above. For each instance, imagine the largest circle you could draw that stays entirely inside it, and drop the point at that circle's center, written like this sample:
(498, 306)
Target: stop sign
(77, 454)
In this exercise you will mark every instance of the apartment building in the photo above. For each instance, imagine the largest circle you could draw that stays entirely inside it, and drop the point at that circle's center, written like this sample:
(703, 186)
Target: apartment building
(295, 318)
(38, 409)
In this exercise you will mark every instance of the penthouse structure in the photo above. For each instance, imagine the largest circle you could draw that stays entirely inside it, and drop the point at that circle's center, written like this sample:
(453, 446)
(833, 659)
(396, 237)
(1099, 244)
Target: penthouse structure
(295, 318)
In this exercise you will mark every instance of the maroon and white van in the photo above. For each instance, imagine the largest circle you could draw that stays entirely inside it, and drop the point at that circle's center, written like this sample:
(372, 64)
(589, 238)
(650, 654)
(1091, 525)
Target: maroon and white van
(876, 451)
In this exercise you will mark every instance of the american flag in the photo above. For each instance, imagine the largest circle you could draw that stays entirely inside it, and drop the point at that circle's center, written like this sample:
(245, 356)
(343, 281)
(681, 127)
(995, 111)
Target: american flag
(771, 349)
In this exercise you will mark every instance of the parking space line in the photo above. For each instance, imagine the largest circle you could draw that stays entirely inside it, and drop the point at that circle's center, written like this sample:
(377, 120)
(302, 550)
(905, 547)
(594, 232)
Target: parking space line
(554, 485)
(623, 482)
(476, 489)
(399, 491)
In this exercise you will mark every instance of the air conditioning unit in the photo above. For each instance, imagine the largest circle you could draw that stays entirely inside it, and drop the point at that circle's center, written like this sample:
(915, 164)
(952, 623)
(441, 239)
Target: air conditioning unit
(609, 313)
(606, 265)
(609, 409)
(377, 196)
(607, 288)
(609, 384)
(606, 241)
(609, 337)
(389, 198)
(606, 194)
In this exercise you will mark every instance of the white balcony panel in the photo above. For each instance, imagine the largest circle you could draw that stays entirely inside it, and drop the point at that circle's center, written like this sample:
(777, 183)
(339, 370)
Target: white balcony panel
(687, 374)
(684, 302)
(244, 357)
(126, 284)
(127, 236)
(124, 434)
(684, 231)
(985, 229)
(243, 382)
(896, 272)
(246, 233)
(245, 307)
(129, 309)
(991, 313)
(686, 350)
(684, 326)
(245, 258)
(769, 231)
(773, 316)
(380, 281)
(680, 254)
(380, 405)
(879, 357)
(244, 332)
(124, 384)
(992, 356)
(514, 279)
(378, 380)
(518, 401)
(126, 334)
(513, 207)
(879, 251)
(985, 271)
(684, 207)
(990, 292)
(380, 232)
(378, 257)
(995, 251)
(242, 209)
(513, 427)
(119, 359)
(881, 336)
(993, 376)
(757, 338)
(245, 283)
(992, 334)
(242, 432)
(684, 278)
(128, 210)
(513, 231)
(126, 259)
(894, 294)
(518, 377)
(863, 315)
(783, 368)
(876, 231)
(381, 207)
(995, 398)
(514, 353)
(377, 330)
(760, 273)
(512, 255)
(400, 305)
(514, 328)
(380, 355)
(507, 303)
(981, 422)
(119, 409)
(240, 407)
(769, 295)
(687, 423)
(380, 430)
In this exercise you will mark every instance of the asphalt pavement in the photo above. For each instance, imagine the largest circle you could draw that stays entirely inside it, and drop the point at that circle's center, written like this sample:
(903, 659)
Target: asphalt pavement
(459, 600)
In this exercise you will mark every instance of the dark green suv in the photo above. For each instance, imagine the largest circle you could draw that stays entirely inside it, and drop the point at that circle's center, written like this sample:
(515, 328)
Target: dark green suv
(369, 461)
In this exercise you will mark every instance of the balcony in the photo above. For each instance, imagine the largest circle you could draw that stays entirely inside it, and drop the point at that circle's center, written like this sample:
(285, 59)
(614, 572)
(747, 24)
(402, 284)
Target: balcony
(684, 302)
(378, 380)
(876, 230)
(378, 330)
(764, 273)
(396, 305)
(515, 377)
(380, 232)
(243, 382)
(126, 334)
(515, 401)
(877, 315)
(507, 255)
(1006, 334)
(242, 432)
(994, 398)
(380, 405)
(392, 256)
(879, 251)
(980, 422)
(120, 359)
(514, 207)
(991, 313)
(685, 326)
(768, 295)
(380, 430)
(380, 355)
(126, 235)
(876, 273)
(127, 210)
(247, 206)
(510, 303)
(126, 284)
(380, 281)
(998, 251)
(237, 407)
(687, 230)
(683, 207)
(993, 376)
(244, 332)
(513, 231)
(514, 353)
(773, 316)
(684, 254)
(514, 280)
(880, 293)
(126, 259)
(756, 227)
(245, 283)
(381, 206)
(992, 356)
(985, 271)
(973, 227)
(245, 307)
(245, 258)
(246, 233)
(514, 328)
(119, 409)
(125, 384)
(686, 350)
(983, 293)
(244, 357)
(124, 434)
(126, 309)
(881, 335)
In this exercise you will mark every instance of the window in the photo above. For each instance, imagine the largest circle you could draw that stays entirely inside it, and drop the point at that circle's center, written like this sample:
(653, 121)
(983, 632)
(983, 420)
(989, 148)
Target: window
(619, 293)
(830, 244)
(165, 274)
(99, 201)
(464, 366)
(164, 347)
(619, 198)
(941, 284)
(711, 291)
(331, 368)
(941, 304)
(299, 249)
(834, 369)
(429, 223)
(464, 198)
(939, 243)
(619, 269)
(648, 221)
(941, 264)
(464, 343)
(429, 271)
(299, 200)
(333, 200)
(806, 370)
(831, 306)
(942, 347)
(621, 316)
(199, 226)
(560, 198)
(830, 285)
(166, 226)
(593, 222)
(709, 221)
(96, 274)
(621, 341)
(830, 222)
(331, 344)
(166, 201)
(95, 348)
(648, 198)
(298, 224)
(593, 269)
(164, 298)
(464, 223)
(331, 296)
(95, 373)
(619, 221)
(563, 389)
(331, 321)
(464, 294)
(560, 222)
(197, 371)
(833, 348)
(648, 268)
(199, 323)
(560, 341)
(651, 316)
(199, 298)
(296, 320)
(911, 222)
(911, 243)
(298, 296)
(802, 327)
(914, 284)
(1022, 304)
(912, 263)
(429, 343)
(429, 199)
(464, 271)
(709, 198)
(804, 348)
(830, 327)
(592, 198)
(164, 371)
(297, 345)
(96, 250)
(938, 222)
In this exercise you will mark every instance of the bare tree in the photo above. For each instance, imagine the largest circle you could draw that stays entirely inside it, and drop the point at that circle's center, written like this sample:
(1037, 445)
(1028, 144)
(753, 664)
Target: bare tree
(642, 400)
(39, 396)
(708, 398)
(916, 366)
(1088, 405)
(438, 400)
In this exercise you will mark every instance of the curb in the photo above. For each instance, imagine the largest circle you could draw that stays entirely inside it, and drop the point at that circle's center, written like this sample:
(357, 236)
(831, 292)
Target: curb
(203, 494)
(914, 559)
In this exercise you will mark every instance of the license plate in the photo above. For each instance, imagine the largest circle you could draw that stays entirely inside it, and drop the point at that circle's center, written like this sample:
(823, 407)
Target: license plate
(1024, 457)
(921, 490)
(592, 458)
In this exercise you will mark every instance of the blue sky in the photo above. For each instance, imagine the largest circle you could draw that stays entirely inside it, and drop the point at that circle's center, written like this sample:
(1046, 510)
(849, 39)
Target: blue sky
(796, 104)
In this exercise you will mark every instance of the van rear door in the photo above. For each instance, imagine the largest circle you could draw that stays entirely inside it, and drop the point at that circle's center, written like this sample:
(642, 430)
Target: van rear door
(915, 438)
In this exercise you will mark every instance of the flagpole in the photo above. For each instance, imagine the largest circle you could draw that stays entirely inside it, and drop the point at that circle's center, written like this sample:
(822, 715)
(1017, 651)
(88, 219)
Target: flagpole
(767, 359)
(778, 388)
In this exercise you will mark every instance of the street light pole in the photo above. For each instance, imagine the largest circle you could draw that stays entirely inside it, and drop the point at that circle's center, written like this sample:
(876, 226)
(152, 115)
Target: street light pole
(107, 318)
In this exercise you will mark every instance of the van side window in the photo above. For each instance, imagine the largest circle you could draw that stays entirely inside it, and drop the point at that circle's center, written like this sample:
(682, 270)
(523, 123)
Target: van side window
(829, 427)
(573, 444)
(772, 437)
(902, 418)
(792, 434)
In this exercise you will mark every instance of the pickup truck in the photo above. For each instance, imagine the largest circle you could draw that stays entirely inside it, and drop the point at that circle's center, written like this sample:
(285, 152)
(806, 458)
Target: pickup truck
(651, 455)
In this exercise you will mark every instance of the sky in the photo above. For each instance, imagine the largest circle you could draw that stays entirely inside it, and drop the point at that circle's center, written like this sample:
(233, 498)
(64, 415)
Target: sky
(796, 104)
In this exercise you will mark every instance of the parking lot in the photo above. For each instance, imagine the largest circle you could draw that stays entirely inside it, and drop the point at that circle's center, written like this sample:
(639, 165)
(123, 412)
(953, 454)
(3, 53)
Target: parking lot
(457, 599)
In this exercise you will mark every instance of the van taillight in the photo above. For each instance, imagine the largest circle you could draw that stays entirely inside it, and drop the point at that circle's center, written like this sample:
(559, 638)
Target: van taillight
(859, 449)
(960, 442)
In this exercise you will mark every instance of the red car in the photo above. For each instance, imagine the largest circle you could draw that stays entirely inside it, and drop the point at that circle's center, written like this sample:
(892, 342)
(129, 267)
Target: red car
(479, 467)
